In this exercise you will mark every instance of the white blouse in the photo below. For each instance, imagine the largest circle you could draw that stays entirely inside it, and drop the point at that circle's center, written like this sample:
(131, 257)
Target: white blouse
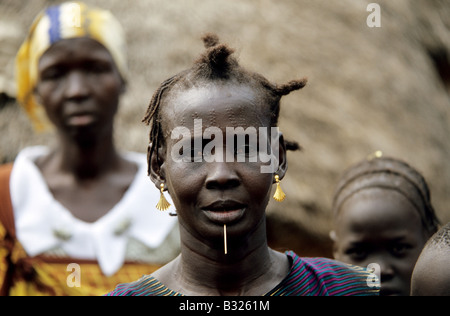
(44, 225)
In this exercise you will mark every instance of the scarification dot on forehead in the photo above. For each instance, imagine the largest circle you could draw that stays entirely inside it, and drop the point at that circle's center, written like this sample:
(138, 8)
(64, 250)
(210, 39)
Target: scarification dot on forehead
(195, 116)
(231, 117)
(240, 117)
(236, 115)
(212, 118)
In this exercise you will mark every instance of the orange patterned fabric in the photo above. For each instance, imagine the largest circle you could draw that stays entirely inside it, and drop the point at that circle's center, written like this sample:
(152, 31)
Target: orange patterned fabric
(60, 277)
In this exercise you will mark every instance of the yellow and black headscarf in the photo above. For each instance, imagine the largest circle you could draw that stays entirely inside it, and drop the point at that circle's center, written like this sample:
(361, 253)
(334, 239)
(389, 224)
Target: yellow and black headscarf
(67, 20)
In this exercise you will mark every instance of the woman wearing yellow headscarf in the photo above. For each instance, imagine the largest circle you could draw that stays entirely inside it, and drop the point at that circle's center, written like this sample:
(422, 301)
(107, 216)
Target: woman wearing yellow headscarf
(75, 219)
(69, 20)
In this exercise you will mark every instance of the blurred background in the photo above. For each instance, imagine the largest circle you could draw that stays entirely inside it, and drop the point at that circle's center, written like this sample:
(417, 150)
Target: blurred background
(370, 88)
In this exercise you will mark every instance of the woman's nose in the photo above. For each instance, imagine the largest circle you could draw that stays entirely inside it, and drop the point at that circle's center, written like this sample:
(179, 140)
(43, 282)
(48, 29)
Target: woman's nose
(221, 176)
(77, 86)
(386, 269)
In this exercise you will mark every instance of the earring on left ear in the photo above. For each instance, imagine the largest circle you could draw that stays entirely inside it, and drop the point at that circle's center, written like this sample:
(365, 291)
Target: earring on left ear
(163, 204)
(279, 194)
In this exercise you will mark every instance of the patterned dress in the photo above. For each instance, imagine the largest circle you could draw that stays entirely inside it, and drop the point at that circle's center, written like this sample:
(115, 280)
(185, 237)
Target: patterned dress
(307, 277)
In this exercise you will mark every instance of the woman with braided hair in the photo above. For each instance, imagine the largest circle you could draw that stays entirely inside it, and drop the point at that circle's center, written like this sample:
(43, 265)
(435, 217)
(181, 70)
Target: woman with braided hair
(383, 215)
(221, 203)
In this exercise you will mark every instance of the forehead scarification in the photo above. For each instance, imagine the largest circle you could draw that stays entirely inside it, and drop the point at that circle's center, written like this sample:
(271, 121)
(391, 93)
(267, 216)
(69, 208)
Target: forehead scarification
(179, 107)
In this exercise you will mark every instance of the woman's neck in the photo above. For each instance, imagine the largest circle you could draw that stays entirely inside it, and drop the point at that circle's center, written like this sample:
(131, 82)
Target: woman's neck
(249, 267)
(86, 161)
(88, 181)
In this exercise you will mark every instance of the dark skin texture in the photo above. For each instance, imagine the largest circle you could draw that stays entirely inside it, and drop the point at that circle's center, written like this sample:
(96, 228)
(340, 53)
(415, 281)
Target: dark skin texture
(380, 226)
(431, 276)
(199, 189)
(79, 87)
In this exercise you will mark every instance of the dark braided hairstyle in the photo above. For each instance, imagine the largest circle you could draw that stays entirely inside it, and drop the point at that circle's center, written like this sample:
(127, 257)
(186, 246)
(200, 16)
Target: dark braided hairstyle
(217, 65)
(391, 174)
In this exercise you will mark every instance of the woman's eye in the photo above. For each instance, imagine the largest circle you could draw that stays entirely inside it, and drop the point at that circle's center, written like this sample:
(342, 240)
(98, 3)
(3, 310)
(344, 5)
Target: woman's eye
(357, 254)
(97, 67)
(246, 151)
(192, 155)
(399, 250)
(196, 153)
(52, 74)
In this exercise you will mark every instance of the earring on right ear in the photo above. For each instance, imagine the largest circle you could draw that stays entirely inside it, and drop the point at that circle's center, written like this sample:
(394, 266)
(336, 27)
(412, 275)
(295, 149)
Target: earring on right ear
(163, 204)
(279, 194)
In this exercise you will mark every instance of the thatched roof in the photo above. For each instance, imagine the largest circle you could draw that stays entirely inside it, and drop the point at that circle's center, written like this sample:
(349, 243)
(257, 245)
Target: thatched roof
(369, 89)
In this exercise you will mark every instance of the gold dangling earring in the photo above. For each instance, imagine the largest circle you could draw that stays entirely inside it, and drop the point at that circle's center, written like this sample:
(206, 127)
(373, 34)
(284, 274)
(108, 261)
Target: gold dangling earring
(279, 194)
(163, 204)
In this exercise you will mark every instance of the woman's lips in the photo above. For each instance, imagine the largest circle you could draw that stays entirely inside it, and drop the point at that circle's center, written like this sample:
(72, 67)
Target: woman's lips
(81, 119)
(224, 216)
(224, 212)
